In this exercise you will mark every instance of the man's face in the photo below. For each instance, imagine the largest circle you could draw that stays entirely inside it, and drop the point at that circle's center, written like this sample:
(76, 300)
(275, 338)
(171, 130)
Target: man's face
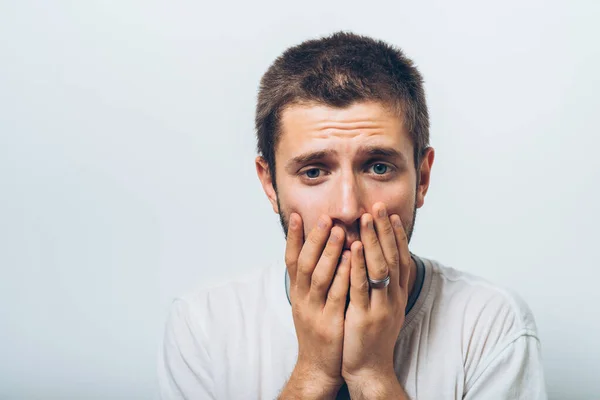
(340, 162)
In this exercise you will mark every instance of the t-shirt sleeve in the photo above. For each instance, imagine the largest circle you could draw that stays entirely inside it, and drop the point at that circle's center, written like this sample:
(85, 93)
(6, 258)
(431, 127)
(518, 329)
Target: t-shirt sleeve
(184, 363)
(514, 372)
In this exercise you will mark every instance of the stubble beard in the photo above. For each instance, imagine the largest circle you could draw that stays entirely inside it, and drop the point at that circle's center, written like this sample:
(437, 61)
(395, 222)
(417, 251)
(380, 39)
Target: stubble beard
(284, 219)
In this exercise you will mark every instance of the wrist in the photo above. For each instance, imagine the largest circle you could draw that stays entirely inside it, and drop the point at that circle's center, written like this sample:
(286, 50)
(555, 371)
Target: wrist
(307, 383)
(373, 385)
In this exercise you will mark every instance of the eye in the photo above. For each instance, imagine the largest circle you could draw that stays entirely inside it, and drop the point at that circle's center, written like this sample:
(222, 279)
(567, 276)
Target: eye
(380, 169)
(312, 173)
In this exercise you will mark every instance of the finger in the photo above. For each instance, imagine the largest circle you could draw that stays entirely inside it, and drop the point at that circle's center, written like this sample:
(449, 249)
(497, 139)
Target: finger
(311, 252)
(335, 305)
(359, 285)
(325, 269)
(294, 242)
(404, 253)
(387, 239)
(377, 268)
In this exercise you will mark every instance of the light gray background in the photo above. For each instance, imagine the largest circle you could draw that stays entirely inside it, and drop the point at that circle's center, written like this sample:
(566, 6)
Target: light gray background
(127, 177)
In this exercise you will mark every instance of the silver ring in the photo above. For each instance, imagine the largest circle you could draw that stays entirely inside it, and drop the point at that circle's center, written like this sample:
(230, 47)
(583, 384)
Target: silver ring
(379, 283)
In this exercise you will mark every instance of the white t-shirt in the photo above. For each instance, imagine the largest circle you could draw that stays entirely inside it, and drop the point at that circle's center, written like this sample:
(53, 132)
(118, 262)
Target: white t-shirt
(462, 339)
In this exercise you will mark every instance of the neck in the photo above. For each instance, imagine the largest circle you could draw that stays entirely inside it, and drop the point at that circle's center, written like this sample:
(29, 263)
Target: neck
(412, 276)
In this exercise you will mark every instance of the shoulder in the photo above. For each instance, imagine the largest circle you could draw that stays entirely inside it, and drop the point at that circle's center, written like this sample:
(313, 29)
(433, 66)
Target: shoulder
(207, 319)
(200, 323)
(211, 304)
(481, 303)
(489, 321)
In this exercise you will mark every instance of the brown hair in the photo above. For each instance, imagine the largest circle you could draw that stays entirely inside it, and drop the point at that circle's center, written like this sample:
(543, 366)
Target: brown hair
(338, 71)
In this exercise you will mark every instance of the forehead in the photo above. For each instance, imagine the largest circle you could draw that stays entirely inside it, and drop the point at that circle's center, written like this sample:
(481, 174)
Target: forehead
(314, 127)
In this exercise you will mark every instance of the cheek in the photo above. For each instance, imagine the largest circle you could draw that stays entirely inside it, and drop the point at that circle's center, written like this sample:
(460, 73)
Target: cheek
(305, 203)
(399, 198)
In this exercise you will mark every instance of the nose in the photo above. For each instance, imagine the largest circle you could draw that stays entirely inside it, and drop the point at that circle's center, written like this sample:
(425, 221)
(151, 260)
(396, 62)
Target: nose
(347, 205)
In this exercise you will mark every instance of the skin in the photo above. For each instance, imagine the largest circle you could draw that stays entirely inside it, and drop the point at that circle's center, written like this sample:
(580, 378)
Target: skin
(347, 214)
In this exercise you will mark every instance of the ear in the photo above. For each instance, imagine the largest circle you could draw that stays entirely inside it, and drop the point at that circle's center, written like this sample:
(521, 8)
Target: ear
(266, 180)
(425, 175)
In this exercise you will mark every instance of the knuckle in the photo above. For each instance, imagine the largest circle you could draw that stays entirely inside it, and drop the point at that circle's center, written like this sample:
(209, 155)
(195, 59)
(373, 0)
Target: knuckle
(298, 313)
(333, 297)
(382, 270)
(315, 239)
(329, 252)
(380, 318)
(341, 271)
(362, 285)
(302, 312)
(387, 229)
(304, 268)
(319, 283)
(401, 236)
(290, 260)
(405, 260)
(373, 240)
(324, 334)
(377, 273)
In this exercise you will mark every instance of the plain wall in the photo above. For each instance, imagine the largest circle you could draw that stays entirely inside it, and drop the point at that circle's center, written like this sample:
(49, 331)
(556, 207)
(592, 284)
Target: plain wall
(127, 169)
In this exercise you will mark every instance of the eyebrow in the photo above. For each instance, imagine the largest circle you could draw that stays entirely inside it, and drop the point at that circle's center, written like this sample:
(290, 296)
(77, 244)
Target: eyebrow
(364, 151)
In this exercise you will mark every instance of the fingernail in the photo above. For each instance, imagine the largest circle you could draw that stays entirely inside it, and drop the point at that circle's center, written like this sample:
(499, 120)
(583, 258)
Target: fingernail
(370, 224)
(322, 224)
(334, 238)
(293, 222)
(382, 213)
(397, 222)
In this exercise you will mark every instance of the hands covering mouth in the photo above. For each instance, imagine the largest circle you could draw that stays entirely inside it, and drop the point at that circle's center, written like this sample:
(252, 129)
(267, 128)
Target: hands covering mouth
(346, 327)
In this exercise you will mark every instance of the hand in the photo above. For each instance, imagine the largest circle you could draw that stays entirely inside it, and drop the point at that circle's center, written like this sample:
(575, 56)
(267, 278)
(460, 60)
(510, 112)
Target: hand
(318, 305)
(375, 316)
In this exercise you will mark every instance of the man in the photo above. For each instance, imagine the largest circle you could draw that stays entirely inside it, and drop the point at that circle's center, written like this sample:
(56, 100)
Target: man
(344, 159)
